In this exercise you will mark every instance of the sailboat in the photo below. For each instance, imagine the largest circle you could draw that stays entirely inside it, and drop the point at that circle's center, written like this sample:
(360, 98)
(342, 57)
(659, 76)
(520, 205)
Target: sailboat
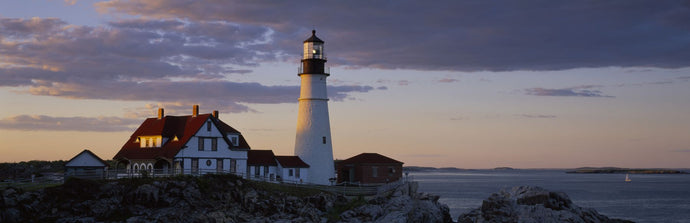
(627, 178)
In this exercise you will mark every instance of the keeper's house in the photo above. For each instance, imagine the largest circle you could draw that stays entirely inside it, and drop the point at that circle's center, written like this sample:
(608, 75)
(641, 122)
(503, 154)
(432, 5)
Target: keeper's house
(369, 168)
(192, 144)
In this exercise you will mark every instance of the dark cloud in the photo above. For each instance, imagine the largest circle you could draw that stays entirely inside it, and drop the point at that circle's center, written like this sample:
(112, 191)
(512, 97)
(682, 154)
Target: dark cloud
(87, 124)
(143, 60)
(580, 91)
(20, 28)
(456, 35)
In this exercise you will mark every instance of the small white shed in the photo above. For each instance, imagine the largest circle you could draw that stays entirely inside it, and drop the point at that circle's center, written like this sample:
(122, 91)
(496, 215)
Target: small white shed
(86, 165)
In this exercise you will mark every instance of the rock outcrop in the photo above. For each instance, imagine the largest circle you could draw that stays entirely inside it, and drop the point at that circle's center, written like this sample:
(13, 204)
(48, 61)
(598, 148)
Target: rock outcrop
(532, 204)
(403, 205)
(209, 198)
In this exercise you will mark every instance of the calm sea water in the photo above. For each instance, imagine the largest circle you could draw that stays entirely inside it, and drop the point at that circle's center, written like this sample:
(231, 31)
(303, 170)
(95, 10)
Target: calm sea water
(648, 198)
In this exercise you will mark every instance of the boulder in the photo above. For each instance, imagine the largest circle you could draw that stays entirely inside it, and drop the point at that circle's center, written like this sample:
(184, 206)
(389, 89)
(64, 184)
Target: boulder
(532, 204)
(404, 205)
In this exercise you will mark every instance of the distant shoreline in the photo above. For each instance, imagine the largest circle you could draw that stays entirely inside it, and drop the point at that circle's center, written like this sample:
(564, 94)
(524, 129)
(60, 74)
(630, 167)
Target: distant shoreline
(588, 170)
(581, 170)
(446, 169)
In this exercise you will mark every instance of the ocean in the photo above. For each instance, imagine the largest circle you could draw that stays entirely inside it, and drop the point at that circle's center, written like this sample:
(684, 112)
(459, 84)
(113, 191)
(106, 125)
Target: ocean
(647, 198)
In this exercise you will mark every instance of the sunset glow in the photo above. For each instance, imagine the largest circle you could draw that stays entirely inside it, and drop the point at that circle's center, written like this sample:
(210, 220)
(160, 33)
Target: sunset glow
(455, 84)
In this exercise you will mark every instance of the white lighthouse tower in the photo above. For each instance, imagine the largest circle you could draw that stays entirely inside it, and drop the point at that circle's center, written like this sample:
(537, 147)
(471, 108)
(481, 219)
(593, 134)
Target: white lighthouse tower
(313, 141)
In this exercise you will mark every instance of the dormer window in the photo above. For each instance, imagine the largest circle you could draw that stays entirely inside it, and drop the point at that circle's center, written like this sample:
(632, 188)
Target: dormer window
(235, 140)
(149, 141)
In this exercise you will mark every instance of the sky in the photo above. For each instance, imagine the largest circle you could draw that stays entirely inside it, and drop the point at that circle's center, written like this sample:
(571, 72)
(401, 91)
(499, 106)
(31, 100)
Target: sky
(467, 84)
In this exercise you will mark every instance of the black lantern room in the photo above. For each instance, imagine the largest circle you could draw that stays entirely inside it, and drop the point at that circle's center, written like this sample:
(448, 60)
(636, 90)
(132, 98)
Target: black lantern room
(314, 58)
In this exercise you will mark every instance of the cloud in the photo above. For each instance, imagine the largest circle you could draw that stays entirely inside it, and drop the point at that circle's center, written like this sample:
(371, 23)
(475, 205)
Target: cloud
(226, 96)
(535, 116)
(455, 35)
(173, 62)
(70, 2)
(396, 82)
(86, 124)
(459, 118)
(579, 91)
(448, 80)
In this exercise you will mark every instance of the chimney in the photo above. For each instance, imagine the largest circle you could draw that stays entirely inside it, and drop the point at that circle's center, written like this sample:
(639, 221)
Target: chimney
(195, 111)
(161, 113)
(215, 113)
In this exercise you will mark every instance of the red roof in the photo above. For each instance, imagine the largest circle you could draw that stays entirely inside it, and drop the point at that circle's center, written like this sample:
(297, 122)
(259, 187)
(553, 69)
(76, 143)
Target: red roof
(370, 158)
(291, 161)
(182, 127)
(261, 158)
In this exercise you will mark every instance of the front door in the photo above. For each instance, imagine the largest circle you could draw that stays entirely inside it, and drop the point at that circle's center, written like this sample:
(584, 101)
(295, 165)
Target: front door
(352, 174)
(195, 166)
(219, 165)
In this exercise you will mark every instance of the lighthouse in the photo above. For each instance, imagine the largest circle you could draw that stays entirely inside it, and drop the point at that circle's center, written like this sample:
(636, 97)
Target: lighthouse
(313, 141)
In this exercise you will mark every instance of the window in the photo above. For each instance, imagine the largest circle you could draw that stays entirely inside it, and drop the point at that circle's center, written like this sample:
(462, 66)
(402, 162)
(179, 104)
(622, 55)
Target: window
(214, 144)
(374, 171)
(324, 140)
(233, 140)
(265, 170)
(257, 171)
(297, 172)
(208, 126)
(290, 172)
(201, 143)
(148, 142)
(232, 165)
(391, 171)
(154, 143)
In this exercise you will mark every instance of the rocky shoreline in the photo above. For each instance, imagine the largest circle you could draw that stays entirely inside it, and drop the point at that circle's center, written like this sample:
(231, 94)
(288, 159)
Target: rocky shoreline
(227, 198)
(210, 198)
(533, 204)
